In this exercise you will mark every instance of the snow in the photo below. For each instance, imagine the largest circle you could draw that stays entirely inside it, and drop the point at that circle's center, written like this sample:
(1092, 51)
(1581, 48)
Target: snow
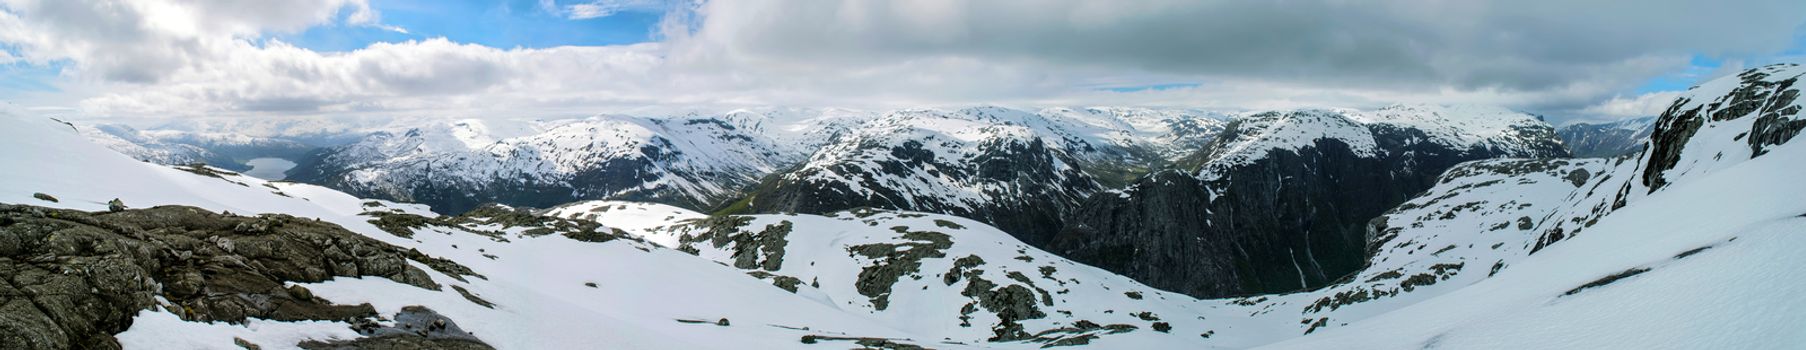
(1457, 126)
(636, 218)
(1258, 134)
(1741, 293)
(162, 329)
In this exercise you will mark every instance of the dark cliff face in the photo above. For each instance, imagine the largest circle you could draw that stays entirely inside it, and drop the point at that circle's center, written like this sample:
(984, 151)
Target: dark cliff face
(1289, 220)
(1023, 189)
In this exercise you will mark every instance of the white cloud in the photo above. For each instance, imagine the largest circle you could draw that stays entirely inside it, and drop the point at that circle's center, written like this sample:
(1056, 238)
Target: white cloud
(1649, 104)
(213, 57)
(605, 8)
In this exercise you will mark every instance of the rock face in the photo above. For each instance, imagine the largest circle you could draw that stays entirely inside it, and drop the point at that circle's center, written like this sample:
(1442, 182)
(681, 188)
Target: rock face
(1604, 140)
(1280, 201)
(72, 279)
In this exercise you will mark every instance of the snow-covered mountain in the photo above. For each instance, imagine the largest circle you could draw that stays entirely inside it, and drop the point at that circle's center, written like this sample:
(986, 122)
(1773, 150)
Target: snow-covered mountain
(1278, 202)
(702, 161)
(1690, 244)
(1608, 139)
(693, 161)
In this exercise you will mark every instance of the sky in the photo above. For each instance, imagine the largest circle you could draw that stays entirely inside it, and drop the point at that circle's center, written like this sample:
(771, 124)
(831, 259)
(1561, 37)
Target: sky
(1572, 60)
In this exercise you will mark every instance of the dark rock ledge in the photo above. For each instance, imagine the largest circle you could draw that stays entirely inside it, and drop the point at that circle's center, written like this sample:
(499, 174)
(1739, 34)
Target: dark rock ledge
(72, 279)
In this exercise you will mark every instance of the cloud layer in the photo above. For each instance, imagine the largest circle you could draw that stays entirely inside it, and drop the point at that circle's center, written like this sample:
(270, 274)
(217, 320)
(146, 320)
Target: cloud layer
(213, 57)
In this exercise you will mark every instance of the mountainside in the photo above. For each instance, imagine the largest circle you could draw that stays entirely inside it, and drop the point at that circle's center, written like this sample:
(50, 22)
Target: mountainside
(924, 273)
(695, 162)
(1279, 201)
(1607, 139)
(1698, 227)
(965, 163)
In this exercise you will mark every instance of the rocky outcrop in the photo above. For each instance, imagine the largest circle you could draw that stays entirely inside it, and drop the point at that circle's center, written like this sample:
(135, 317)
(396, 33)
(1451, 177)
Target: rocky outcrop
(72, 279)
(1281, 200)
(1763, 106)
(415, 328)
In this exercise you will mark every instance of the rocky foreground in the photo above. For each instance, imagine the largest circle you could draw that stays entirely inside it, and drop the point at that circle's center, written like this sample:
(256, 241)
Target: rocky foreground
(73, 279)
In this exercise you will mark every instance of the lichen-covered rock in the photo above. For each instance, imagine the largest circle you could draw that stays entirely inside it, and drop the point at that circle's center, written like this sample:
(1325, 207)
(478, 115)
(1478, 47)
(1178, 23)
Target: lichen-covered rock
(72, 279)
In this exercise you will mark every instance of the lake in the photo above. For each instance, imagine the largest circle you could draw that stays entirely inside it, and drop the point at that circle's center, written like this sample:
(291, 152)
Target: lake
(269, 168)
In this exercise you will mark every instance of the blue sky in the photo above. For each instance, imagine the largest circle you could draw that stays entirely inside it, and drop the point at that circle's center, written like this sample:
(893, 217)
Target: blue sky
(500, 24)
(1702, 66)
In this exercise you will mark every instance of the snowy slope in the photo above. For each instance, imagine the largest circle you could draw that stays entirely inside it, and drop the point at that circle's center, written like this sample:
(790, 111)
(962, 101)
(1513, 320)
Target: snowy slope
(1701, 276)
(1697, 229)
(947, 277)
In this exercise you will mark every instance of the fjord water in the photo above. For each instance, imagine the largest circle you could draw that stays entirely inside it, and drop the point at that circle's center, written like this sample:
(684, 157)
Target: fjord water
(269, 168)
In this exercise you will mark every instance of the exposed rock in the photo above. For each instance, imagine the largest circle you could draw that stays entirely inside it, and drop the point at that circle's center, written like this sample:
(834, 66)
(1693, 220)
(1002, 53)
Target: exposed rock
(416, 328)
(763, 249)
(893, 261)
(72, 279)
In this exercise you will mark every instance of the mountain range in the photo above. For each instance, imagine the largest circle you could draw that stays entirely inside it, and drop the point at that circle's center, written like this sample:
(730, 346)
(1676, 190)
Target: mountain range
(1409, 226)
